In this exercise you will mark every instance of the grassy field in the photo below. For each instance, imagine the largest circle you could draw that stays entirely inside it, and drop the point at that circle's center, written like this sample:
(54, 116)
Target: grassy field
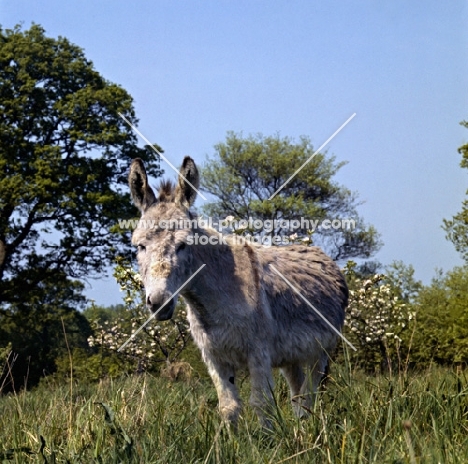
(410, 418)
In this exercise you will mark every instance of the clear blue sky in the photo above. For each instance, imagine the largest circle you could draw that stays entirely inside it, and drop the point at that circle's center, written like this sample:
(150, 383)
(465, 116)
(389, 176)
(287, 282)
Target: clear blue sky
(199, 68)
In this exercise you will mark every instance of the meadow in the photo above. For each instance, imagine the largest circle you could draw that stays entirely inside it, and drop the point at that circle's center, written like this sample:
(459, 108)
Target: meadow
(408, 417)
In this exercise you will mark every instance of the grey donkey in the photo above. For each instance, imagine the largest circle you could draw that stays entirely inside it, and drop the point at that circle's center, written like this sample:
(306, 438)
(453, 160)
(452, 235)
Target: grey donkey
(242, 313)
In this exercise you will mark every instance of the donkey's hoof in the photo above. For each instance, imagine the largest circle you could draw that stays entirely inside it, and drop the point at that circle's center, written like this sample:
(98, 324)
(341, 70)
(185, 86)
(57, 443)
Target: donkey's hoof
(301, 408)
(230, 415)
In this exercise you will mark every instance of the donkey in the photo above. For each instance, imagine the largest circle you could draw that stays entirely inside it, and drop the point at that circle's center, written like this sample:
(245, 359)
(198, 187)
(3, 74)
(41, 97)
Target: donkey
(242, 312)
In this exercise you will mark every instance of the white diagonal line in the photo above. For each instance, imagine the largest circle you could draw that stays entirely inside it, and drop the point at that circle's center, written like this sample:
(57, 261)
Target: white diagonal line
(160, 154)
(134, 334)
(316, 151)
(313, 307)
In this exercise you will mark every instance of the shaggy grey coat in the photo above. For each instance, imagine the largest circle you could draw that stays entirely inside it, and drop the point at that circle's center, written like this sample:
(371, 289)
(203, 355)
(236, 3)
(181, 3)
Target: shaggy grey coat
(242, 313)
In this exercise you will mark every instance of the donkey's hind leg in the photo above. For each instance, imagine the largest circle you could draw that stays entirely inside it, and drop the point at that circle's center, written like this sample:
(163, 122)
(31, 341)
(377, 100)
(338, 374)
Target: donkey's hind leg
(318, 370)
(300, 395)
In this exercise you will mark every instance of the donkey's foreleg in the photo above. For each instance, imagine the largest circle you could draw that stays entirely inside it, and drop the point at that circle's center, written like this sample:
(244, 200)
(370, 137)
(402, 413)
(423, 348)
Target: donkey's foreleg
(261, 397)
(228, 396)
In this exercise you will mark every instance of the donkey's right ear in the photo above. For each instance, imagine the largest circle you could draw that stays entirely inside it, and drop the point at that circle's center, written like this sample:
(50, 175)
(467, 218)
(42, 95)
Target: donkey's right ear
(142, 194)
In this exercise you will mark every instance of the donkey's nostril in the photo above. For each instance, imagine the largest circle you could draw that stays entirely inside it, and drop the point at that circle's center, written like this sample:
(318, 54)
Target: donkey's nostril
(153, 301)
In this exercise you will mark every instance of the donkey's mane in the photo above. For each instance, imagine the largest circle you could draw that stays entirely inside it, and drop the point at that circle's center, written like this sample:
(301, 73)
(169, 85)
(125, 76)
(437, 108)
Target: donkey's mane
(166, 194)
(166, 191)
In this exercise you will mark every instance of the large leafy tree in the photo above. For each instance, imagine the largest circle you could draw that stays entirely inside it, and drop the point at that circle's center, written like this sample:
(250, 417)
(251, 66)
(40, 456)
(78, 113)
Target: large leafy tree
(64, 155)
(246, 171)
(457, 227)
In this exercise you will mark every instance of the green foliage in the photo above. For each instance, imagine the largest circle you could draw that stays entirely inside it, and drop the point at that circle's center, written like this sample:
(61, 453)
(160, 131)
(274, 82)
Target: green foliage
(245, 172)
(442, 320)
(5, 354)
(64, 154)
(39, 333)
(401, 277)
(357, 419)
(92, 365)
(6, 358)
(457, 227)
(103, 314)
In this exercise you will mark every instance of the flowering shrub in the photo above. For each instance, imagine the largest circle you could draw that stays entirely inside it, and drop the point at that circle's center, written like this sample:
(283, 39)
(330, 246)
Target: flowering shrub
(378, 321)
(156, 342)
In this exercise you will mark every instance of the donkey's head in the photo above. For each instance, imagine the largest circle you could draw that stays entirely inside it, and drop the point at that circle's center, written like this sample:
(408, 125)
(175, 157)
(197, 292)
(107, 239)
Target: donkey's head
(163, 255)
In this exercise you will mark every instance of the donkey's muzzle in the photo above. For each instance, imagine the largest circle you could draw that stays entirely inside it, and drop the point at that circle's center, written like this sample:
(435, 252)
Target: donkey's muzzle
(163, 313)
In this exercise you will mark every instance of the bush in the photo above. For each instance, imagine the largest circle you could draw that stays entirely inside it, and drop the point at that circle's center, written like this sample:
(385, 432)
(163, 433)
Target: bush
(379, 322)
(442, 320)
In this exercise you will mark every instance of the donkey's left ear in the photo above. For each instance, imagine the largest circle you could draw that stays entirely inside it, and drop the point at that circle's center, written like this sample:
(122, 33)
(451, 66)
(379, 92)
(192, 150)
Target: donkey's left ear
(189, 180)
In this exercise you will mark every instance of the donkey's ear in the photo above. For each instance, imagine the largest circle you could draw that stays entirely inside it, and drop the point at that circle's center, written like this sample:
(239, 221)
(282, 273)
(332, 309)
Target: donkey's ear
(142, 194)
(189, 180)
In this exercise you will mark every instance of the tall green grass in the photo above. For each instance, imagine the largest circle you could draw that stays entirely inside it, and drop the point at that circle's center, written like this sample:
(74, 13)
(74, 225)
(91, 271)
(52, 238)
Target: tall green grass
(406, 418)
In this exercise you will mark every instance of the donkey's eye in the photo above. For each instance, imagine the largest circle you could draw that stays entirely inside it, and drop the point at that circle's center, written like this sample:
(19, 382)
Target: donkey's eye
(180, 247)
(141, 248)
